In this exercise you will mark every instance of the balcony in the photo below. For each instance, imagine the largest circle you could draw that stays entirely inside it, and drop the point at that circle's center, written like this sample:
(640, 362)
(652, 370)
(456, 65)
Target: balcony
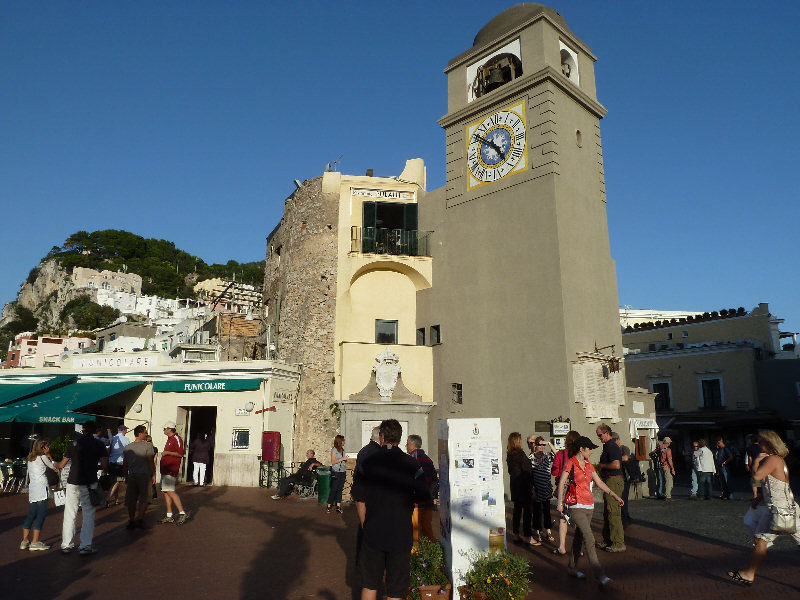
(373, 240)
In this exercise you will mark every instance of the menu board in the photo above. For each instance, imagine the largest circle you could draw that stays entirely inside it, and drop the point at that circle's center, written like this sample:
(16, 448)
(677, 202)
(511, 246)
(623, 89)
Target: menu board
(472, 507)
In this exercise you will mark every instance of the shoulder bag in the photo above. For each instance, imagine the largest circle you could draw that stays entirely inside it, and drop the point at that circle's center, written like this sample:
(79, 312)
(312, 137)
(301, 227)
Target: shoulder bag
(52, 476)
(571, 495)
(784, 520)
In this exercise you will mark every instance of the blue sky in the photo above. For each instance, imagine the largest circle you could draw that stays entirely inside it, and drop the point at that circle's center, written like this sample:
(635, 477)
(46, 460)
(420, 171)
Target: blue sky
(188, 121)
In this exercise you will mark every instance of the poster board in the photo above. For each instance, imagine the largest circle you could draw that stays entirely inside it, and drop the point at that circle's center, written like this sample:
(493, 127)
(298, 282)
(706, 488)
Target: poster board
(471, 502)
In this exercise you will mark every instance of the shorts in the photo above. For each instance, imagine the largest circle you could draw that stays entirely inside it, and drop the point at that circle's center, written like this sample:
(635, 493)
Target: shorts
(138, 489)
(372, 563)
(115, 471)
(168, 483)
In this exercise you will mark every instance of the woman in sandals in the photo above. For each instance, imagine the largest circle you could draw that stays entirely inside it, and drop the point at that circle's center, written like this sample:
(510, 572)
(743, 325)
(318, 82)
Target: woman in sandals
(38, 495)
(770, 468)
(338, 473)
(521, 484)
(542, 453)
(582, 471)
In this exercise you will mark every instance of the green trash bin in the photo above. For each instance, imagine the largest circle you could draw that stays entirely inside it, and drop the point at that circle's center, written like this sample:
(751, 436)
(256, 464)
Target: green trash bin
(323, 484)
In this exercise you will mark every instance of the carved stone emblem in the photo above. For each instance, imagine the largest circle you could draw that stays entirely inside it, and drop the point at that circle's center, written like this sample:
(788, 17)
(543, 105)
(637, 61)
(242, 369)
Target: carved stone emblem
(386, 370)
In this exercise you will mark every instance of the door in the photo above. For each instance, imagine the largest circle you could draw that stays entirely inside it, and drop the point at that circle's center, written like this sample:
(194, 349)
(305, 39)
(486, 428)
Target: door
(182, 427)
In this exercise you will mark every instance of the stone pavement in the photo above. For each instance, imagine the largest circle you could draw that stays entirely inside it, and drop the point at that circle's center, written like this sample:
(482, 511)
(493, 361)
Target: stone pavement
(242, 544)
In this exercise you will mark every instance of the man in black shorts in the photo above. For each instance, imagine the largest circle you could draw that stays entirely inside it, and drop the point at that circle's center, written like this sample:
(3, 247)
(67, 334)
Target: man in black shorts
(392, 481)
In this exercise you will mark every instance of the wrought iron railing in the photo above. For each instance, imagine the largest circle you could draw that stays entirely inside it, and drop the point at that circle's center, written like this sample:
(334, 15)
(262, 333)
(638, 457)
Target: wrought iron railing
(374, 240)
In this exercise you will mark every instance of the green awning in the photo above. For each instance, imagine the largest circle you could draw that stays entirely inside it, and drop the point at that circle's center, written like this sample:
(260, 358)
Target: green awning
(207, 385)
(11, 392)
(59, 405)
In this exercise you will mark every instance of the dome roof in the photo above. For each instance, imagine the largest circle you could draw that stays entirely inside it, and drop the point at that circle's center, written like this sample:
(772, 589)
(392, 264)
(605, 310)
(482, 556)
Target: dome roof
(513, 17)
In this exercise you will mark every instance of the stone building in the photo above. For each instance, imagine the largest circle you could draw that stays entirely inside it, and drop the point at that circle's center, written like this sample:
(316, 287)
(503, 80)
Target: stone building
(115, 281)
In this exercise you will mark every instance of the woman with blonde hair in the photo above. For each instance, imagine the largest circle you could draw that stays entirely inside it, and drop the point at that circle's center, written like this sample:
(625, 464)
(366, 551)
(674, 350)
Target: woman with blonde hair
(38, 495)
(521, 483)
(769, 467)
(338, 474)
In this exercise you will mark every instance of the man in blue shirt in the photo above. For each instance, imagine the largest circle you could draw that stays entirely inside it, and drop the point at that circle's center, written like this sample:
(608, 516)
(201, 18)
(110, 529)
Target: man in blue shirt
(722, 457)
(118, 443)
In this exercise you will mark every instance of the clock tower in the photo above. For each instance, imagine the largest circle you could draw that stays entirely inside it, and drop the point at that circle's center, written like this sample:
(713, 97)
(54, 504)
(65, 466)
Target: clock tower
(523, 313)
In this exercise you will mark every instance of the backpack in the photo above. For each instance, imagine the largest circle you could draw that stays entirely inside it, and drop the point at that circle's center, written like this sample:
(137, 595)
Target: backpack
(655, 455)
(558, 463)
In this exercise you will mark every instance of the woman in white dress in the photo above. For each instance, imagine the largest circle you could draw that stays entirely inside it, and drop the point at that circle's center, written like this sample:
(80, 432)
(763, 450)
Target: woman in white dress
(769, 467)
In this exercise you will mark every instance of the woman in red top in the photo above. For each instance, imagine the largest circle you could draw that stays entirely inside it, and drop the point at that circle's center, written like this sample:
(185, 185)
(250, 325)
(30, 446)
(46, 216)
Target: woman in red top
(584, 475)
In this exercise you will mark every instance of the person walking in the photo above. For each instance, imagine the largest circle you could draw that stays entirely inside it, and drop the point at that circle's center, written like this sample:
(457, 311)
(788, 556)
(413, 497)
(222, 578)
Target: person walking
(541, 458)
(118, 443)
(139, 470)
(391, 482)
(751, 453)
(695, 466)
(627, 478)
(520, 475)
(338, 474)
(581, 472)
(769, 467)
(610, 467)
(171, 459)
(84, 452)
(667, 469)
(722, 458)
(559, 463)
(39, 492)
(201, 450)
(705, 469)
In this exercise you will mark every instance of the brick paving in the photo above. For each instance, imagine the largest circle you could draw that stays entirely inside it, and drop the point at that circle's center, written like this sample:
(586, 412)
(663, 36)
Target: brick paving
(242, 544)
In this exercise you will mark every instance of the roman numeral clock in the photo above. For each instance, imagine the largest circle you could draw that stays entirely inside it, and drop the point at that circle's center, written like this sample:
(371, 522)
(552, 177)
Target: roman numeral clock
(496, 146)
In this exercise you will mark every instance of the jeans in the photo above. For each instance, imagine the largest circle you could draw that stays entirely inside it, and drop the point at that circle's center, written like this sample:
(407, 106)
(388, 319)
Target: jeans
(78, 495)
(582, 517)
(704, 484)
(659, 482)
(613, 534)
(36, 514)
(723, 481)
(337, 485)
(693, 491)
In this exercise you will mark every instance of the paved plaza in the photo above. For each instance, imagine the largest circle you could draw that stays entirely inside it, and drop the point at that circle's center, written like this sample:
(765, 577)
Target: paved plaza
(242, 544)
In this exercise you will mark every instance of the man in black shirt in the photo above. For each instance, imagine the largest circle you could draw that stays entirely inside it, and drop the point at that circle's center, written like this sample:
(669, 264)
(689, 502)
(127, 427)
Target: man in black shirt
(84, 452)
(303, 475)
(610, 471)
(391, 482)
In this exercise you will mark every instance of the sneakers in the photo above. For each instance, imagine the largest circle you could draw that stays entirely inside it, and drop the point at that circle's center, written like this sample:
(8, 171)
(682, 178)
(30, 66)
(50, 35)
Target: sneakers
(67, 549)
(276, 497)
(605, 581)
(87, 551)
(24, 544)
(620, 548)
(577, 574)
(38, 546)
(167, 520)
(182, 518)
(693, 497)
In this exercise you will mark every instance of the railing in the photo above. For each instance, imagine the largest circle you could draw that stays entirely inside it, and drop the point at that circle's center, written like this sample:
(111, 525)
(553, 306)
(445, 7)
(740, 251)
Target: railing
(373, 240)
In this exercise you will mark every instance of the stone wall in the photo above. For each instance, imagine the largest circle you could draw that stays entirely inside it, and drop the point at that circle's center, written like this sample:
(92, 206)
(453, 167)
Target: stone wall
(300, 296)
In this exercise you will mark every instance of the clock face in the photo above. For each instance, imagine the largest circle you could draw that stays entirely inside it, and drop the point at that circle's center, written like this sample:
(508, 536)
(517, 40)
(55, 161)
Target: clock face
(496, 146)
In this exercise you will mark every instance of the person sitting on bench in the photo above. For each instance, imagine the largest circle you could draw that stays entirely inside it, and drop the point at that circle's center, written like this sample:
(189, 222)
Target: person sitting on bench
(303, 476)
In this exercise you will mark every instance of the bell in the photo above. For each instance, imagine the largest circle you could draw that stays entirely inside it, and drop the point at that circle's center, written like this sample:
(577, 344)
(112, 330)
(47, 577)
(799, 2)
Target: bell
(495, 79)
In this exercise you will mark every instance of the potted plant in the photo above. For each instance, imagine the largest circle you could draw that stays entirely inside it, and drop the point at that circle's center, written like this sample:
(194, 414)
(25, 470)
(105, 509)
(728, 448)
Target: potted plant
(428, 579)
(501, 575)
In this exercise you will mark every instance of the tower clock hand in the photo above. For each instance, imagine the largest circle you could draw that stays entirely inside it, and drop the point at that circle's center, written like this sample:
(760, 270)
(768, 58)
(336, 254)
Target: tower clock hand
(492, 144)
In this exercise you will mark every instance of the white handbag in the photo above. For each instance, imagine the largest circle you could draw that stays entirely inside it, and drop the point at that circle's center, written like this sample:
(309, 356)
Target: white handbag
(60, 497)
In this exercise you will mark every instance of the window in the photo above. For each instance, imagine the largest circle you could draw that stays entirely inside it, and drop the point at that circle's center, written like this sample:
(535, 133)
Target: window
(421, 336)
(641, 448)
(112, 337)
(456, 393)
(669, 336)
(385, 331)
(711, 393)
(684, 333)
(101, 344)
(651, 347)
(436, 334)
(663, 392)
(241, 439)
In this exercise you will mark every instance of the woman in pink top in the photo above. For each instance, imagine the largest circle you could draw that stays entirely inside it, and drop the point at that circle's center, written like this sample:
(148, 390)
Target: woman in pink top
(583, 473)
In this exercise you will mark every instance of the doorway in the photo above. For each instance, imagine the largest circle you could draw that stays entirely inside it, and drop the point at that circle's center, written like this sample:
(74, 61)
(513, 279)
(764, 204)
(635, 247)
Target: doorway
(199, 420)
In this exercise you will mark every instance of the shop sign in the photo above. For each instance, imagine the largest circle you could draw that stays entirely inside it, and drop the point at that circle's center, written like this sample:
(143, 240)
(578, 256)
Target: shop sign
(560, 428)
(212, 385)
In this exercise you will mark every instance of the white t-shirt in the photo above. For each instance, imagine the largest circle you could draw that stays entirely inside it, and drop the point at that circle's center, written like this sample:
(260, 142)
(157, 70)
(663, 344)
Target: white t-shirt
(37, 487)
(704, 460)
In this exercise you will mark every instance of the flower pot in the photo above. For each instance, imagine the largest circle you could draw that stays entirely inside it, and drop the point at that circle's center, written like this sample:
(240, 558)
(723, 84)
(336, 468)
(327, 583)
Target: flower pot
(467, 593)
(434, 592)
